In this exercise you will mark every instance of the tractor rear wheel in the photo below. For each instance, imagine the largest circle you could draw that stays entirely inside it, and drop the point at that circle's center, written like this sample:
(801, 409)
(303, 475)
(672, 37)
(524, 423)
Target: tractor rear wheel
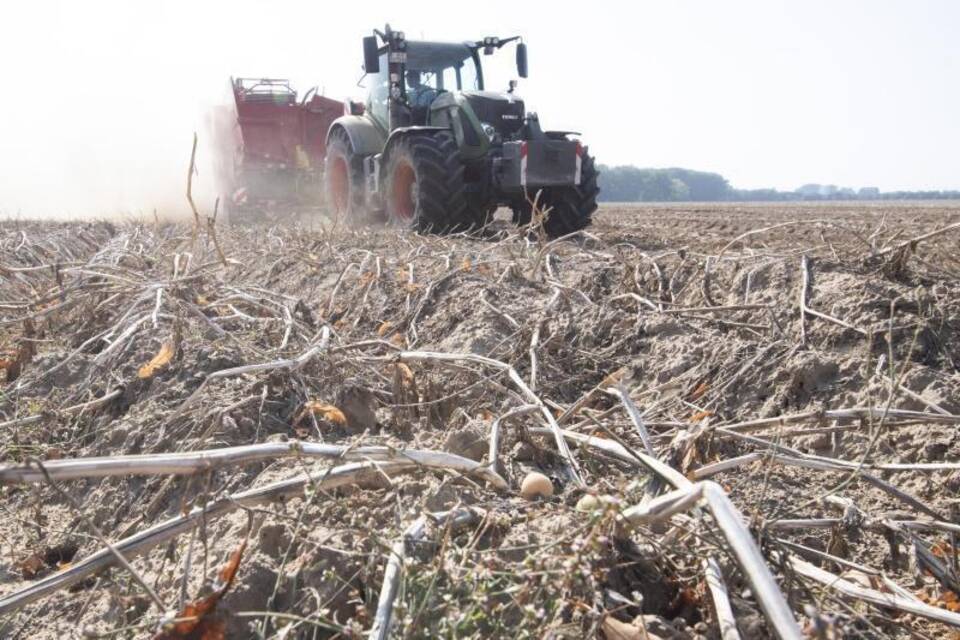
(343, 178)
(423, 187)
(571, 208)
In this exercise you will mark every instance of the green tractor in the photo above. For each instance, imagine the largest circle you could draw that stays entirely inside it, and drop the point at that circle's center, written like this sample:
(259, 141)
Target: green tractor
(433, 151)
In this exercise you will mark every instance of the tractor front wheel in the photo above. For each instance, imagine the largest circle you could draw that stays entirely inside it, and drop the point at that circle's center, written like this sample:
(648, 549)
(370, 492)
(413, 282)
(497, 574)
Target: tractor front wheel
(570, 208)
(423, 187)
(343, 178)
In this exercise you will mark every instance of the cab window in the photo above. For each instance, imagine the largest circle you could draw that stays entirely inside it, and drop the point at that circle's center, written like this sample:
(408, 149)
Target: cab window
(380, 92)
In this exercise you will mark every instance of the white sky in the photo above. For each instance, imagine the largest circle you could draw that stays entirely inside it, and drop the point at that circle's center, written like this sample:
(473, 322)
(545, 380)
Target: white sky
(99, 99)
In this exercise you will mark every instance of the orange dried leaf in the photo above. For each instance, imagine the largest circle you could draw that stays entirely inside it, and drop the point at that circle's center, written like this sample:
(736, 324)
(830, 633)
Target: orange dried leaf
(399, 340)
(613, 378)
(229, 571)
(466, 265)
(689, 597)
(700, 415)
(198, 622)
(159, 361)
(31, 566)
(384, 328)
(701, 389)
(325, 411)
(11, 363)
(405, 373)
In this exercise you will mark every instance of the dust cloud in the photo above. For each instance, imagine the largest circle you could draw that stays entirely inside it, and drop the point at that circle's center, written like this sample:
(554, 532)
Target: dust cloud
(99, 101)
(105, 151)
(98, 107)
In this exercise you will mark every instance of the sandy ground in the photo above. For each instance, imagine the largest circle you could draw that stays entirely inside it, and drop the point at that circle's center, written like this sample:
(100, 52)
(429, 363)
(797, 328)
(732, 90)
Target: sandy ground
(693, 310)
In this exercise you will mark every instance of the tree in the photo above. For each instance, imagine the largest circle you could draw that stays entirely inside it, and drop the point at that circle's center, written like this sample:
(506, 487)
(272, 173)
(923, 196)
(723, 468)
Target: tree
(701, 185)
(633, 184)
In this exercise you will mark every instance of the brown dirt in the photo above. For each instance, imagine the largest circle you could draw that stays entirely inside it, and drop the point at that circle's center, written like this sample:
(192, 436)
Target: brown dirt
(529, 569)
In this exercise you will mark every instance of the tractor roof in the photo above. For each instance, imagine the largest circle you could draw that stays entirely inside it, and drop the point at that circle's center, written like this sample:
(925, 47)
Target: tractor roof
(424, 55)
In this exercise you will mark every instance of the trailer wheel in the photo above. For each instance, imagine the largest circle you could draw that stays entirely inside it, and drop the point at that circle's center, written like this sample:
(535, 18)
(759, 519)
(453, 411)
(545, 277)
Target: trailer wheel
(423, 186)
(571, 208)
(343, 178)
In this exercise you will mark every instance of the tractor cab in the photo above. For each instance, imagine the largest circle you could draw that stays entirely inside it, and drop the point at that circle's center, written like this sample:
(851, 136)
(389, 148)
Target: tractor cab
(435, 151)
(430, 69)
(409, 75)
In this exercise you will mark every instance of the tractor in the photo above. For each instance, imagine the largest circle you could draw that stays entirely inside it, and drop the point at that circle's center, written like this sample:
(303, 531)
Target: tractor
(432, 150)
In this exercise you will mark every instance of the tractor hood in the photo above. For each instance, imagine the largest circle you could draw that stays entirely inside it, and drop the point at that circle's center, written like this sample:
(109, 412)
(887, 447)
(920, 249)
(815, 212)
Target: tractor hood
(503, 111)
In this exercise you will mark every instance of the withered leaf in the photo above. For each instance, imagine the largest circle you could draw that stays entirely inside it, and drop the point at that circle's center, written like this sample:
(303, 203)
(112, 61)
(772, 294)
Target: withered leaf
(701, 389)
(404, 373)
(159, 361)
(31, 566)
(322, 410)
(198, 621)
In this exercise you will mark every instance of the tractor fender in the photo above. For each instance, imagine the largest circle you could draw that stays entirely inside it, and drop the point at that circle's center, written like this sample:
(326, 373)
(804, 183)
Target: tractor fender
(401, 132)
(366, 138)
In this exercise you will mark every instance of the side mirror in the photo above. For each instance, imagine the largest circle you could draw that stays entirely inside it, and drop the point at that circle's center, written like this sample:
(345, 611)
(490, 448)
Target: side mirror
(371, 55)
(522, 60)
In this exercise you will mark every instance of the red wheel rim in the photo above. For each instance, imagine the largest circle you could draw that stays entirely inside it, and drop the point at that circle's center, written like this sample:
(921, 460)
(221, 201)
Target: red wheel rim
(402, 191)
(339, 184)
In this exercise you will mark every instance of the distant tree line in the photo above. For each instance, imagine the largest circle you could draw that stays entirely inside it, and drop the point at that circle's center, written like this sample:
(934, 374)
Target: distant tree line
(633, 184)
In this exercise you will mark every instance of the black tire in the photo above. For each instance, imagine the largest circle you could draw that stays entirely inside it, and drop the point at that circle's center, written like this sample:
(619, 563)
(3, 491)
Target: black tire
(343, 178)
(423, 185)
(571, 208)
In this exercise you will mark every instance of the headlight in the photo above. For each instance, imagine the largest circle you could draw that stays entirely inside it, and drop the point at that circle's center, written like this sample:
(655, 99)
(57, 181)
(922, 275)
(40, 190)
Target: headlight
(489, 130)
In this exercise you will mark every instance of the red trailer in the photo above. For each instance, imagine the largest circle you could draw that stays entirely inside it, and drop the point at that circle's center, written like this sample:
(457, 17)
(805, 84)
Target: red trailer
(270, 147)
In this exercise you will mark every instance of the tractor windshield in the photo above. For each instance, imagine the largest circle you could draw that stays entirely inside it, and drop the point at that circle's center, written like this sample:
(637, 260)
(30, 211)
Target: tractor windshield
(441, 66)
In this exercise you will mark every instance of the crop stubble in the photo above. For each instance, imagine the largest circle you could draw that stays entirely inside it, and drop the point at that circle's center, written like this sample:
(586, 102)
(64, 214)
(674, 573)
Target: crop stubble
(673, 332)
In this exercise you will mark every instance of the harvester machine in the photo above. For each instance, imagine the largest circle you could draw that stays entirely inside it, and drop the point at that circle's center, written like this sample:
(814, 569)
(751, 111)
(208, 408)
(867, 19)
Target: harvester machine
(270, 148)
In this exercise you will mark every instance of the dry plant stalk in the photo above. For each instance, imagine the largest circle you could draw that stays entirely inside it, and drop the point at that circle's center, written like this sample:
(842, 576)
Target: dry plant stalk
(880, 599)
(136, 544)
(725, 617)
(194, 462)
(193, 207)
(730, 521)
(572, 467)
